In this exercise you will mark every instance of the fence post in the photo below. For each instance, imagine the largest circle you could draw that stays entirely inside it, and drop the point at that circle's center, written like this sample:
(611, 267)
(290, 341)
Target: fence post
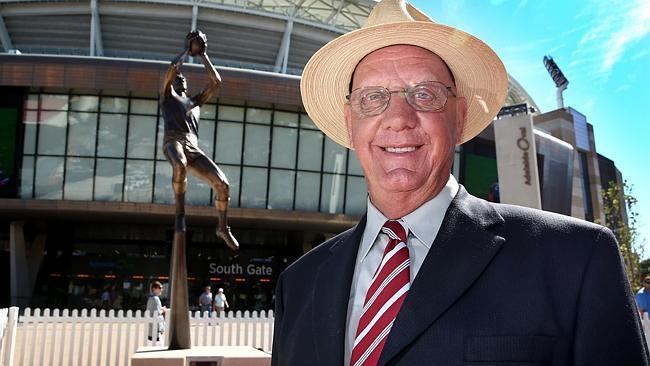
(10, 337)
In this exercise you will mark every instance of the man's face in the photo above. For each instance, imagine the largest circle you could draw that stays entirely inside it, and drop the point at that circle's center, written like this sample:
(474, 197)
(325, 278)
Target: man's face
(402, 149)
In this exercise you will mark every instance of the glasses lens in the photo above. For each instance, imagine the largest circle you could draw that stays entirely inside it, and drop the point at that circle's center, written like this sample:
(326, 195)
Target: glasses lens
(369, 101)
(430, 96)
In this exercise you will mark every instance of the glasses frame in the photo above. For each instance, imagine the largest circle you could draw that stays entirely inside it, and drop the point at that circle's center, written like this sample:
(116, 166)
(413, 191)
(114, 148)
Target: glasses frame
(407, 93)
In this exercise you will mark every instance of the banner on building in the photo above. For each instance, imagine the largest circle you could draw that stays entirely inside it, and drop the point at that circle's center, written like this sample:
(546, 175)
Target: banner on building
(517, 161)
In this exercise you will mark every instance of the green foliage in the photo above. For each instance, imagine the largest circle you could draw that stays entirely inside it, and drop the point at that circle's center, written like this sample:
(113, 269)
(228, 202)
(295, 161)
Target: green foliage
(644, 267)
(617, 199)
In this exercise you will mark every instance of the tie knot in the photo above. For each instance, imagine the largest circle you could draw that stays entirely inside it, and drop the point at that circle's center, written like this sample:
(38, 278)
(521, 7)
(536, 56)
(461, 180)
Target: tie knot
(394, 230)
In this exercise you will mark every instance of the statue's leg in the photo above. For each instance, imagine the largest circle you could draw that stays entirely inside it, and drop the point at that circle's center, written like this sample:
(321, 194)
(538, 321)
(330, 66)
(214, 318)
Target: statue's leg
(206, 169)
(176, 156)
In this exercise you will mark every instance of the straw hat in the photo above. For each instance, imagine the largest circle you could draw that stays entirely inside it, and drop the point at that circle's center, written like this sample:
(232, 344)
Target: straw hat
(479, 73)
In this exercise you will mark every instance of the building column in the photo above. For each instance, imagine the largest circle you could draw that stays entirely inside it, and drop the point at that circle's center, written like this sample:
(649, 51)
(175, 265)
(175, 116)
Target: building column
(24, 261)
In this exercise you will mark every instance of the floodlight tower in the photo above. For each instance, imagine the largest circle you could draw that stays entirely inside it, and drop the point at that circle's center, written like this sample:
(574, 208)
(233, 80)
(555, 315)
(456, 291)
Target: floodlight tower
(558, 77)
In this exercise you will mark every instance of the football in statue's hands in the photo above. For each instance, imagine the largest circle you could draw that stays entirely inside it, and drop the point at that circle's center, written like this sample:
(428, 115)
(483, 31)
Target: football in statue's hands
(197, 42)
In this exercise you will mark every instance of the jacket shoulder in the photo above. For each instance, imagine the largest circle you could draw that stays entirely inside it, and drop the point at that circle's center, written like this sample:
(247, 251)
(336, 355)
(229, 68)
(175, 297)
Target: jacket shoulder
(552, 228)
(544, 219)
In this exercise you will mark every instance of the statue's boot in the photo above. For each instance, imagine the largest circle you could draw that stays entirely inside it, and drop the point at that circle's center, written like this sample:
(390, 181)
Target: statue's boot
(223, 230)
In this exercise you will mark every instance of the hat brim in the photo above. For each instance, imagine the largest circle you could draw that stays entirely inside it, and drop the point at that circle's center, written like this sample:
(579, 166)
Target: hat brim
(480, 75)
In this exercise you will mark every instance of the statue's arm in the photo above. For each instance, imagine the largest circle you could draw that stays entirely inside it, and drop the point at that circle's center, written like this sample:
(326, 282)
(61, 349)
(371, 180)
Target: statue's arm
(215, 81)
(173, 69)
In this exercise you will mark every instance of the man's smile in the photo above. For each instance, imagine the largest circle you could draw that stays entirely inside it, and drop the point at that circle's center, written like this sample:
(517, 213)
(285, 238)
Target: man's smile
(401, 150)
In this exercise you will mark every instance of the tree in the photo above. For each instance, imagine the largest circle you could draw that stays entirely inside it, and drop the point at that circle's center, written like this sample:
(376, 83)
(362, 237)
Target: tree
(621, 217)
(645, 267)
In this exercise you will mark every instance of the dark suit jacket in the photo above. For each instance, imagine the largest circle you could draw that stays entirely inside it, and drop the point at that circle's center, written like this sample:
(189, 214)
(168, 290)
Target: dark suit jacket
(501, 285)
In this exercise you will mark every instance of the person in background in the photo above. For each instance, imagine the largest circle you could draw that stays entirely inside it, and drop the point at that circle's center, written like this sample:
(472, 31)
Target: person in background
(220, 301)
(643, 297)
(205, 301)
(155, 306)
(106, 299)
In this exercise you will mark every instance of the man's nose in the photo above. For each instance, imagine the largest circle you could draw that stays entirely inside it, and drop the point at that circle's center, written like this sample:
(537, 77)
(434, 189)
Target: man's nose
(399, 114)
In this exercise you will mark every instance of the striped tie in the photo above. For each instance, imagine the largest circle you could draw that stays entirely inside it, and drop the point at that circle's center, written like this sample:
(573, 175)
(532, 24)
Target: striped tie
(385, 296)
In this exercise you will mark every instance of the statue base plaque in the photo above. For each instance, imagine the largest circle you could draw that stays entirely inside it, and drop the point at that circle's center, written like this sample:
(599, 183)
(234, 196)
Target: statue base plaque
(200, 356)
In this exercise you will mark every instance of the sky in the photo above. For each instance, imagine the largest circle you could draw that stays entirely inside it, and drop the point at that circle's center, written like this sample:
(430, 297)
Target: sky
(601, 46)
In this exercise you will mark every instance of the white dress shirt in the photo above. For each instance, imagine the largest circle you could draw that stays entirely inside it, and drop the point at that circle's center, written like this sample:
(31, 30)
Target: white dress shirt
(422, 226)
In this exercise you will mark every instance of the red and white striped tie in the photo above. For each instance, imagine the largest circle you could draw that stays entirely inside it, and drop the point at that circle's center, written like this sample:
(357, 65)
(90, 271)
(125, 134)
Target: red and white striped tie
(387, 291)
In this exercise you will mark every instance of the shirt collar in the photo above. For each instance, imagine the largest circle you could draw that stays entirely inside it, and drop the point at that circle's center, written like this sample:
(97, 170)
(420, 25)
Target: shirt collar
(424, 222)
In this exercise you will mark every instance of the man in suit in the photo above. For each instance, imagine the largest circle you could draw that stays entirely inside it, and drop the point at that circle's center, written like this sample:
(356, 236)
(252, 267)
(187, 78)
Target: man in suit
(432, 275)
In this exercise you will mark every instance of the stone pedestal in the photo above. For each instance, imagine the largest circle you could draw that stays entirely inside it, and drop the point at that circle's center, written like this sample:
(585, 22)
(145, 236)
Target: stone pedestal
(200, 356)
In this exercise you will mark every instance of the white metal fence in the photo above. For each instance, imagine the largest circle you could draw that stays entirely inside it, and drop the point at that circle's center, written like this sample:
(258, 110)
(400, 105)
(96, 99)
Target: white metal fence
(55, 337)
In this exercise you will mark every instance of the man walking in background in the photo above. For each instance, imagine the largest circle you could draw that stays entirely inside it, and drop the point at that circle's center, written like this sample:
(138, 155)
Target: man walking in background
(220, 301)
(205, 301)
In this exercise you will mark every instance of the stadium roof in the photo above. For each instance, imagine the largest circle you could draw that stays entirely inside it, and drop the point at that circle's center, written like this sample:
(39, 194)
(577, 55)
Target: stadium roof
(269, 35)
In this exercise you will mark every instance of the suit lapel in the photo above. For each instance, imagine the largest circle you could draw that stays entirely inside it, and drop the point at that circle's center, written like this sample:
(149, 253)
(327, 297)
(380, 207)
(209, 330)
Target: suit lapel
(331, 295)
(459, 254)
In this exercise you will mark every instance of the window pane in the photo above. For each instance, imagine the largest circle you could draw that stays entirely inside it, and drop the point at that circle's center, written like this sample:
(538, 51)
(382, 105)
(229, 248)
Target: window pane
(307, 189)
(31, 102)
(309, 156)
(78, 179)
(81, 133)
(256, 151)
(49, 178)
(353, 166)
(229, 113)
(138, 184)
(335, 156)
(285, 119)
(115, 105)
(142, 135)
(109, 179)
(281, 190)
(54, 102)
(229, 142)
(27, 177)
(144, 106)
(198, 192)
(306, 122)
(30, 121)
(356, 196)
(232, 174)
(258, 115)
(208, 112)
(163, 193)
(206, 137)
(332, 193)
(112, 135)
(284, 147)
(254, 188)
(84, 103)
(51, 135)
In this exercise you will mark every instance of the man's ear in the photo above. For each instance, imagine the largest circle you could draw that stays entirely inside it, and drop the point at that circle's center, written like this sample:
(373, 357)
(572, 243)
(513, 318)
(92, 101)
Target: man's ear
(348, 122)
(461, 117)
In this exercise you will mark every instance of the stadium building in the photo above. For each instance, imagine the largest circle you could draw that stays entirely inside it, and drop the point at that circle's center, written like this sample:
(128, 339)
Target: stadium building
(85, 196)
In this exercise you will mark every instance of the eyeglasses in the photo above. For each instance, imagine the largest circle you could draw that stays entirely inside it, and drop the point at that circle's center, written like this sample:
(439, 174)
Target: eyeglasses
(427, 96)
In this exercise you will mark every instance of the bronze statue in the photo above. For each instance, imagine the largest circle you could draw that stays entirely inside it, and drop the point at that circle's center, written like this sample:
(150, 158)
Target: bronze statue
(181, 147)
(181, 143)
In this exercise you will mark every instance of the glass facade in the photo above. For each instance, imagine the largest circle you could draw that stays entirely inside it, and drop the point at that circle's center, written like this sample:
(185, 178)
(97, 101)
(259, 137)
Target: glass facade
(107, 148)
